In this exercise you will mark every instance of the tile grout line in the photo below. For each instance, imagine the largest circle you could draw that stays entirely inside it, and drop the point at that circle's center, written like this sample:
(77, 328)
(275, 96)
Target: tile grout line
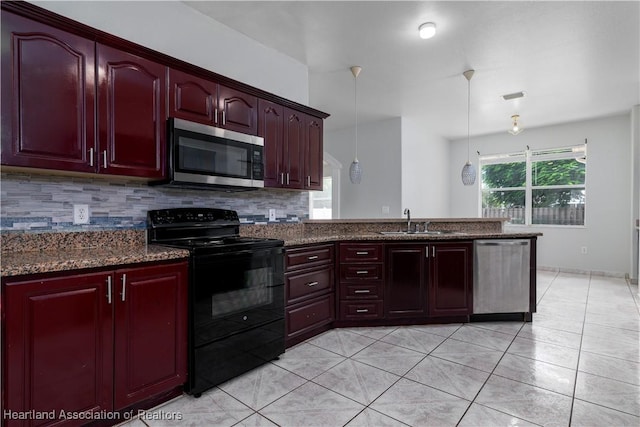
(575, 380)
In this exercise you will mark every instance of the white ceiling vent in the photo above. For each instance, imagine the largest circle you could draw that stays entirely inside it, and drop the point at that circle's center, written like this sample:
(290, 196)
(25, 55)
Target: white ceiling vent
(514, 95)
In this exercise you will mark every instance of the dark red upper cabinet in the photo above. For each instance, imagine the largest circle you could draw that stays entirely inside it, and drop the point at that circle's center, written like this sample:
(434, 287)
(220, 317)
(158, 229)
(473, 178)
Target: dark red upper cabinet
(131, 114)
(238, 111)
(270, 127)
(48, 96)
(293, 144)
(313, 154)
(192, 98)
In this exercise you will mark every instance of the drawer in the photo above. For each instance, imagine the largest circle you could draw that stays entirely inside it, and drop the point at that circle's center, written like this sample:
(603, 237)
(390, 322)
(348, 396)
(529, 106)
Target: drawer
(360, 291)
(308, 256)
(360, 272)
(360, 252)
(361, 310)
(304, 283)
(315, 313)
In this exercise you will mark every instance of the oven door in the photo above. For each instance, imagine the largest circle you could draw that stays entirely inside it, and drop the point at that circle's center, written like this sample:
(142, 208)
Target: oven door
(236, 291)
(204, 154)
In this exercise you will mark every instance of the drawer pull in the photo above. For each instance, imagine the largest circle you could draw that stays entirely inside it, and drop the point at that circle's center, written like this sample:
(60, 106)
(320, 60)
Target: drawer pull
(361, 291)
(362, 272)
(362, 253)
(362, 310)
(311, 284)
(312, 257)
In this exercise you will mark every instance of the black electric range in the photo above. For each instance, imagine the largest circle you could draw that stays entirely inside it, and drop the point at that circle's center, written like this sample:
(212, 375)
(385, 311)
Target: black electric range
(236, 292)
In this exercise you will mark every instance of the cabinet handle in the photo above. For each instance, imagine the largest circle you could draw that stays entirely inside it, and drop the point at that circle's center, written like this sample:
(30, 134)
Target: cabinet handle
(361, 291)
(362, 310)
(91, 156)
(311, 284)
(109, 289)
(282, 178)
(124, 286)
(433, 251)
(287, 178)
(104, 158)
(215, 116)
(427, 252)
(362, 272)
(312, 257)
(308, 180)
(224, 117)
(362, 253)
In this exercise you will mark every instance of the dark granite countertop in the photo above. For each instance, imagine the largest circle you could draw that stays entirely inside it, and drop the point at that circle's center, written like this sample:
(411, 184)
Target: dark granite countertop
(46, 261)
(308, 240)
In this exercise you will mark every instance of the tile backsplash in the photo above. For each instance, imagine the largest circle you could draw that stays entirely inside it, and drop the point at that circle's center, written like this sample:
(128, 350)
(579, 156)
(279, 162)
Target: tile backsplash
(37, 203)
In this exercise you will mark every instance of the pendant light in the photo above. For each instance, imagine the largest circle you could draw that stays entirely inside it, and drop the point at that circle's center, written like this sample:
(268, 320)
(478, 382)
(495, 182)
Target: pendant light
(468, 171)
(516, 128)
(355, 170)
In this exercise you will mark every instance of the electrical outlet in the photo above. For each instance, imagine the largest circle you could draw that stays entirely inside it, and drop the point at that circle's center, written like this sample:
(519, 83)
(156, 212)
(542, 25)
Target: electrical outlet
(272, 215)
(385, 210)
(81, 214)
(583, 250)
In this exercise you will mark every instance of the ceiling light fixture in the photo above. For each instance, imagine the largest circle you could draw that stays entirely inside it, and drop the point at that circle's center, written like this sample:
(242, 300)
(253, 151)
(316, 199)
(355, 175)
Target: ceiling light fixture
(427, 30)
(516, 128)
(468, 171)
(355, 170)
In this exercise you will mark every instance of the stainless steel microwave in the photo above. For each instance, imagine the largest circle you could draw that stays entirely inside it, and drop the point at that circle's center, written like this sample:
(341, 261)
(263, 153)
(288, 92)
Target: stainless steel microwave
(206, 156)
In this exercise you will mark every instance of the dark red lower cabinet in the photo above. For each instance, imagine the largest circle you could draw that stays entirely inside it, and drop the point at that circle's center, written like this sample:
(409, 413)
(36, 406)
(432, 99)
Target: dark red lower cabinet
(92, 342)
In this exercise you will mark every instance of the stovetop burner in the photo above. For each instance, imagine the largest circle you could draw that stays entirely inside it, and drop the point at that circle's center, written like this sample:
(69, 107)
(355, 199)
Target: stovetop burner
(201, 230)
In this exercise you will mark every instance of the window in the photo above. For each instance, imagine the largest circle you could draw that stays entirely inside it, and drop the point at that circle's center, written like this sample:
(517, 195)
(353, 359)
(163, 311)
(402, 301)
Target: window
(320, 202)
(535, 186)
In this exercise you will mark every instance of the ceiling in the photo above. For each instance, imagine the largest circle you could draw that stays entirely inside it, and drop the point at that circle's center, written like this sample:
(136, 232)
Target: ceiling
(575, 60)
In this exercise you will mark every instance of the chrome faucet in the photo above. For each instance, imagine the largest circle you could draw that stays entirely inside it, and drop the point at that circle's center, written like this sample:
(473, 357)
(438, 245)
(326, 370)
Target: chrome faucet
(407, 212)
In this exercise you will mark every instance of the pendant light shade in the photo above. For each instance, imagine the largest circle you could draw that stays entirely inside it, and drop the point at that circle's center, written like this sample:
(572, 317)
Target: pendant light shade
(516, 127)
(468, 170)
(355, 170)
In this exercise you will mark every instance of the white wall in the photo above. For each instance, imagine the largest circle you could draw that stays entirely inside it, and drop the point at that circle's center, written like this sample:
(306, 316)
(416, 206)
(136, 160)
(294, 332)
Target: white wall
(379, 154)
(609, 229)
(173, 28)
(635, 187)
(425, 167)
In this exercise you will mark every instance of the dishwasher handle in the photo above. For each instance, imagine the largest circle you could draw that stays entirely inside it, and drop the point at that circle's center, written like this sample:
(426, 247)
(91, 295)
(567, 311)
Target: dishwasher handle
(503, 243)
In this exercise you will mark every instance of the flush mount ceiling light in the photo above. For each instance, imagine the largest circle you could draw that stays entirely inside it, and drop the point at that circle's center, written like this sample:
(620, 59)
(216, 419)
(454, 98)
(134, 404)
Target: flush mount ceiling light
(468, 170)
(516, 128)
(427, 30)
(355, 170)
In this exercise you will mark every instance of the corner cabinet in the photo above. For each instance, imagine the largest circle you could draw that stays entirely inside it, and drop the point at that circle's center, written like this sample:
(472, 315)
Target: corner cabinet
(293, 147)
(107, 340)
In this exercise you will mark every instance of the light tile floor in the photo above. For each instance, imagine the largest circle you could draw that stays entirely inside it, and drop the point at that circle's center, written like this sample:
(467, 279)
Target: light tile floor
(577, 364)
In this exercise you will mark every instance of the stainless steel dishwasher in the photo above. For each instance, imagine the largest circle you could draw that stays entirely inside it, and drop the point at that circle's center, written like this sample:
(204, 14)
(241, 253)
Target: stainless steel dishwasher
(501, 276)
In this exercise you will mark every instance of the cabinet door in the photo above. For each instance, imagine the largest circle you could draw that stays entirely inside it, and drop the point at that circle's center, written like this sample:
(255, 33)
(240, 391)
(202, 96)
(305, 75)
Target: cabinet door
(48, 96)
(270, 127)
(293, 143)
(313, 154)
(150, 331)
(131, 114)
(192, 98)
(451, 281)
(405, 288)
(59, 347)
(239, 110)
